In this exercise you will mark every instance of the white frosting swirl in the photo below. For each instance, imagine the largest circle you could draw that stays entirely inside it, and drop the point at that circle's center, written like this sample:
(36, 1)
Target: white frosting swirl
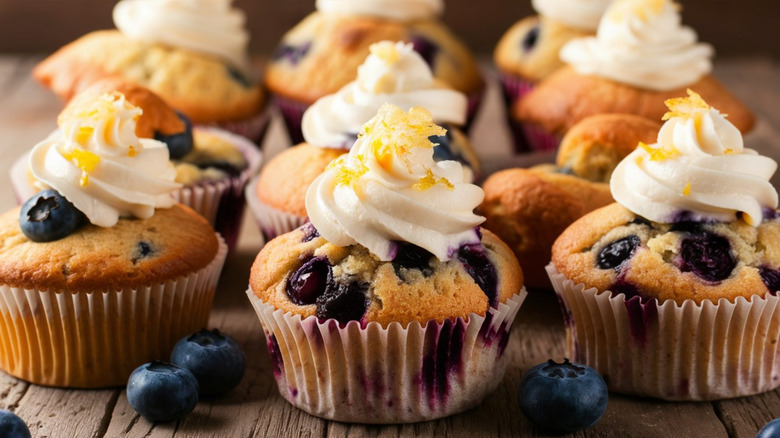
(389, 189)
(582, 14)
(642, 43)
(401, 10)
(392, 73)
(212, 27)
(699, 169)
(99, 164)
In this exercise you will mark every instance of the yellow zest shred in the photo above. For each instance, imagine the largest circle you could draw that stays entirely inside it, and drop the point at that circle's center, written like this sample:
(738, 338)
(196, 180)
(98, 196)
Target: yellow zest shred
(685, 107)
(429, 180)
(687, 190)
(642, 9)
(386, 51)
(661, 153)
(345, 174)
(84, 160)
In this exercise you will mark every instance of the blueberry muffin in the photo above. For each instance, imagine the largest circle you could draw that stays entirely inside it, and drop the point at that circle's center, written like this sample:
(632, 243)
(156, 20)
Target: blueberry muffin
(406, 309)
(641, 56)
(206, 78)
(672, 271)
(392, 73)
(96, 265)
(321, 54)
(529, 208)
(528, 51)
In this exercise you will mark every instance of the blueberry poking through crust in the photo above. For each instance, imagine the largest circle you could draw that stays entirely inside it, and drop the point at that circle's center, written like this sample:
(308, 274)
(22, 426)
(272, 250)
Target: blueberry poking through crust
(215, 359)
(530, 39)
(707, 255)
(343, 302)
(143, 250)
(562, 397)
(479, 267)
(617, 252)
(426, 49)
(309, 281)
(48, 216)
(293, 54)
(162, 391)
(411, 256)
(771, 278)
(239, 77)
(11, 426)
(180, 143)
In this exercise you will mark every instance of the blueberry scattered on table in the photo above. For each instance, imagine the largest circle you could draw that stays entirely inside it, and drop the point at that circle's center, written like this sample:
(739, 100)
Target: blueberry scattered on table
(562, 397)
(11, 426)
(215, 359)
(180, 143)
(48, 216)
(770, 430)
(161, 391)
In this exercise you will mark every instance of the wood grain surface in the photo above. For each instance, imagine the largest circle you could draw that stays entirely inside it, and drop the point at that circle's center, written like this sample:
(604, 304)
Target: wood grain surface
(27, 115)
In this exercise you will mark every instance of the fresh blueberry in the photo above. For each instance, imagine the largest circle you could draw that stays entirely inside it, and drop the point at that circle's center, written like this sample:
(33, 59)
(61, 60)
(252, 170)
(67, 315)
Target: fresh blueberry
(562, 397)
(770, 430)
(180, 143)
(215, 359)
(530, 39)
(426, 48)
(771, 278)
(343, 302)
(411, 256)
(162, 391)
(48, 216)
(239, 77)
(11, 426)
(309, 281)
(617, 252)
(479, 267)
(707, 255)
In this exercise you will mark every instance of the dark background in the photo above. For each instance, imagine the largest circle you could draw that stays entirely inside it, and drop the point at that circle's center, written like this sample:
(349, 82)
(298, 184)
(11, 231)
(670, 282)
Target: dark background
(734, 27)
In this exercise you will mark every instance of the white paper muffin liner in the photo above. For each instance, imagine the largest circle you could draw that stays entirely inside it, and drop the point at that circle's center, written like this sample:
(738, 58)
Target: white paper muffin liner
(370, 374)
(272, 221)
(673, 351)
(221, 202)
(96, 339)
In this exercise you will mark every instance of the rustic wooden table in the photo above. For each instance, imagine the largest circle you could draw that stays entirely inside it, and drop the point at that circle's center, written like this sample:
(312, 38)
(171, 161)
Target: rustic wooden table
(28, 114)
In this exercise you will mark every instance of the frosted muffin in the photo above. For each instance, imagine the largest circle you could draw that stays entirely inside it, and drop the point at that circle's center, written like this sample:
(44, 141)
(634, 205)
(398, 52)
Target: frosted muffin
(672, 292)
(528, 51)
(321, 54)
(392, 73)
(641, 56)
(101, 271)
(212, 165)
(191, 53)
(407, 309)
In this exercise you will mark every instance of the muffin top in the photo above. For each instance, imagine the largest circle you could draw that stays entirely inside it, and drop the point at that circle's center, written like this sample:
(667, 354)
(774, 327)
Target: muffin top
(696, 217)
(322, 53)
(392, 73)
(642, 43)
(393, 236)
(191, 53)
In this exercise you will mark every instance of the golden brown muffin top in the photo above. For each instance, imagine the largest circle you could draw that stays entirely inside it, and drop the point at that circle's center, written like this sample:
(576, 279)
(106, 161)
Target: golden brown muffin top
(394, 292)
(202, 87)
(136, 252)
(613, 249)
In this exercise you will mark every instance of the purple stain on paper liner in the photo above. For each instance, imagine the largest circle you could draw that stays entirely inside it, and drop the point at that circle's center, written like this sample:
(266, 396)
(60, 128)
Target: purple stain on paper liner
(641, 315)
(442, 357)
(277, 362)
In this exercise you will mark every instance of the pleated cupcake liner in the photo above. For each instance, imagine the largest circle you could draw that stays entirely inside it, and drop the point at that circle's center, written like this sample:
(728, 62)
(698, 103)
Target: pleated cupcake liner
(221, 202)
(527, 137)
(688, 351)
(96, 339)
(373, 374)
(252, 128)
(271, 221)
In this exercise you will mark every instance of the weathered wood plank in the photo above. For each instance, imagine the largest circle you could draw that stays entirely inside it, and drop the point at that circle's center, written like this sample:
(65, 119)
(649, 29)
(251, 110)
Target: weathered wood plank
(51, 412)
(744, 417)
